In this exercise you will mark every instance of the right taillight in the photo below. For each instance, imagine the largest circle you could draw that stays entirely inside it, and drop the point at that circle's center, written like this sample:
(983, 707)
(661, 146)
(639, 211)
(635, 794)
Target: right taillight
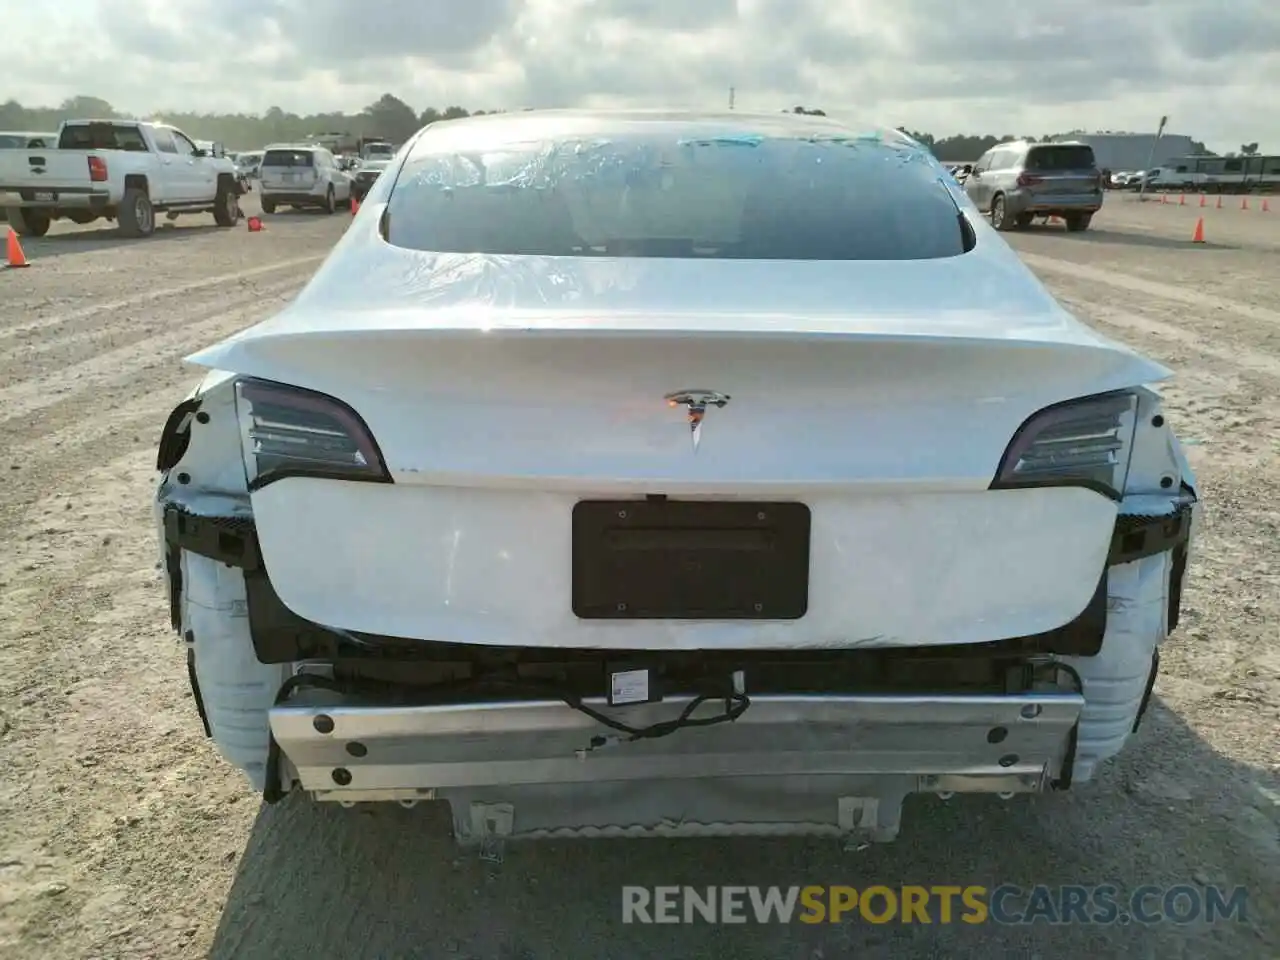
(289, 431)
(97, 170)
(1085, 442)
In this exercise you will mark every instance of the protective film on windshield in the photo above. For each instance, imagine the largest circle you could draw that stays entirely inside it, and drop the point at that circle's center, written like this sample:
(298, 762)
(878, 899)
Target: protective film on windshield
(684, 193)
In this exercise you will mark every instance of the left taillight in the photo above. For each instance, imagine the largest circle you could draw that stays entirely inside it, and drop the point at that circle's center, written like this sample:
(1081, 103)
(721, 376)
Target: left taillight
(1086, 442)
(289, 431)
(97, 170)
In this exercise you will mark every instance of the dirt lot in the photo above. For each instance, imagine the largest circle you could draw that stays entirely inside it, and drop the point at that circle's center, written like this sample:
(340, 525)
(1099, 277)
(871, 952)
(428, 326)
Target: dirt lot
(123, 835)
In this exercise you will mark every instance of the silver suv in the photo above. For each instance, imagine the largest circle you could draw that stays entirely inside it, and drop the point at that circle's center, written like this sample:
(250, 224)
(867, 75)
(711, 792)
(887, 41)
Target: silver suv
(1018, 181)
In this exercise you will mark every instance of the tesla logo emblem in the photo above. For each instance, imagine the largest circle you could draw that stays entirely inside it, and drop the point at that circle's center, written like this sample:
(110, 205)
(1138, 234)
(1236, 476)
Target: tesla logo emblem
(696, 402)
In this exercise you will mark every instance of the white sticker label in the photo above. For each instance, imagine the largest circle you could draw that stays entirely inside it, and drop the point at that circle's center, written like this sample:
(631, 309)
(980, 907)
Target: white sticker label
(629, 686)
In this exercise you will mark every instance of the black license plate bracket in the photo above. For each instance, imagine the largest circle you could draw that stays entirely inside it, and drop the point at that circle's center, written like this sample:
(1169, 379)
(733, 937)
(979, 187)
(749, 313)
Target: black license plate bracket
(690, 560)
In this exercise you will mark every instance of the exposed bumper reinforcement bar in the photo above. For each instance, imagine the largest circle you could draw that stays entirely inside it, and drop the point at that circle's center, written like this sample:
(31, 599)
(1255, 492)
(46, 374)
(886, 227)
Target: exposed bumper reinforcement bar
(790, 764)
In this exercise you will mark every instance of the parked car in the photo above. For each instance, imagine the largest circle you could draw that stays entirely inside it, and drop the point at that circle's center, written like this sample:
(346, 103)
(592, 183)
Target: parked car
(302, 175)
(116, 170)
(716, 475)
(364, 177)
(23, 139)
(248, 163)
(1016, 182)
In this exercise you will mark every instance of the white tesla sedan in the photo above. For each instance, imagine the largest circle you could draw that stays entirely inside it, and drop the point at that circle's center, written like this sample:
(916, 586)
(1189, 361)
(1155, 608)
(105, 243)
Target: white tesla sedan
(662, 473)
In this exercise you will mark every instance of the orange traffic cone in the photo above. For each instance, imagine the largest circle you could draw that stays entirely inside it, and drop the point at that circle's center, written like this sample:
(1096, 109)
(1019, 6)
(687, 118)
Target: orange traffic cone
(1198, 236)
(355, 205)
(1203, 199)
(1244, 203)
(254, 224)
(1164, 198)
(1182, 200)
(1219, 205)
(14, 251)
(1266, 205)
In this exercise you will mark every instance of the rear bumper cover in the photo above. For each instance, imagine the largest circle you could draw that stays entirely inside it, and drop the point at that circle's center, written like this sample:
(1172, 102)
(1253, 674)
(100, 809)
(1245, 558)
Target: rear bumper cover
(791, 764)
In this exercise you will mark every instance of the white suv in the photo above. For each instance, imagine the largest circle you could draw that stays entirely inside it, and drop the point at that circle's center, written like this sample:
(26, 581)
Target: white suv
(302, 176)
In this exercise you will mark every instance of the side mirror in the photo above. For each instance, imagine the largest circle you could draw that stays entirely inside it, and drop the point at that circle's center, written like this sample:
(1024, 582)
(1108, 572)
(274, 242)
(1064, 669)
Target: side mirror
(967, 168)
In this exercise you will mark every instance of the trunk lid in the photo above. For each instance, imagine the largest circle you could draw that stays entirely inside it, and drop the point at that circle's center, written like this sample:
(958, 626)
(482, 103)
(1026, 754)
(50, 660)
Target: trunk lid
(503, 390)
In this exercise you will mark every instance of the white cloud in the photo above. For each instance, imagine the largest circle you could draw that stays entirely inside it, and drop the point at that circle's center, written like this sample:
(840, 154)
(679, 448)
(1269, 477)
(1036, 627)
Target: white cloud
(989, 66)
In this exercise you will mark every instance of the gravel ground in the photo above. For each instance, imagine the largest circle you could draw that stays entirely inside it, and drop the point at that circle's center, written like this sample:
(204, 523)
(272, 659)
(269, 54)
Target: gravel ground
(123, 835)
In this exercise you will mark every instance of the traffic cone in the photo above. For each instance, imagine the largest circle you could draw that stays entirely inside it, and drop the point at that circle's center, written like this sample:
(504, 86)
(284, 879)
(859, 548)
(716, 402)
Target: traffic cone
(1219, 206)
(14, 251)
(1203, 199)
(1198, 236)
(355, 205)
(254, 224)
(1244, 203)
(1182, 200)
(1266, 205)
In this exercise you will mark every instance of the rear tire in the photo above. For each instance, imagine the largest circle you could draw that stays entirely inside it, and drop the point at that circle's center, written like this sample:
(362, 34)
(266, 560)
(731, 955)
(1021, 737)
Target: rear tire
(268, 206)
(137, 216)
(330, 202)
(1077, 222)
(226, 206)
(28, 223)
(1000, 218)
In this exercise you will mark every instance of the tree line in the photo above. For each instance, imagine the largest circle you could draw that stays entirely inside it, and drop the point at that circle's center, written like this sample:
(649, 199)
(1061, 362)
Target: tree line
(388, 116)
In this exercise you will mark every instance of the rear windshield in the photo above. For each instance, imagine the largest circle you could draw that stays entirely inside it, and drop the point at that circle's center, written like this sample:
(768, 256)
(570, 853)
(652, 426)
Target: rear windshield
(1061, 157)
(102, 136)
(288, 158)
(678, 192)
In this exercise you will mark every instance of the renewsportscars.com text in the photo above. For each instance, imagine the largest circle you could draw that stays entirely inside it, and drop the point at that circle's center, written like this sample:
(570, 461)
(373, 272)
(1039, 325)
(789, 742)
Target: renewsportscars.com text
(1006, 904)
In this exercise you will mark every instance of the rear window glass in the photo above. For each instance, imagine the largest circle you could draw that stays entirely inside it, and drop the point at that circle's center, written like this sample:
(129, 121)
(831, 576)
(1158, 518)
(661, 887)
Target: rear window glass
(1061, 157)
(288, 158)
(102, 136)
(680, 191)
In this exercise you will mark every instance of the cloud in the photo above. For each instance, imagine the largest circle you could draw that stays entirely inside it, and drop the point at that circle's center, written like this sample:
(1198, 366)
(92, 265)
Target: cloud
(999, 66)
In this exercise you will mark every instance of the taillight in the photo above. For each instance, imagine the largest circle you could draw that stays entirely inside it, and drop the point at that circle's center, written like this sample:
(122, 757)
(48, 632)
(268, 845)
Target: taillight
(1085, 442)
(292, 432)
(97, 170)
(1027, 180)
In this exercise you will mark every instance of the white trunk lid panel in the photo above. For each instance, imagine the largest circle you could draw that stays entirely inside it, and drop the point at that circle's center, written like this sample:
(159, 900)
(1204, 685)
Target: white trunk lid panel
(502, 390)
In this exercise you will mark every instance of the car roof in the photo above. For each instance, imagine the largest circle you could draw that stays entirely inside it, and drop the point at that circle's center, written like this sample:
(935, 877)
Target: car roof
(723, 125)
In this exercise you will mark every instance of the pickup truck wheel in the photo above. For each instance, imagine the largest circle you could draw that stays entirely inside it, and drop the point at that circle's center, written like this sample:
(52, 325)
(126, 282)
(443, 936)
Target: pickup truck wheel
(226, 207)
(330, 202)
(137, 216)
(268, 206)
(1078, 221)
(28, 223)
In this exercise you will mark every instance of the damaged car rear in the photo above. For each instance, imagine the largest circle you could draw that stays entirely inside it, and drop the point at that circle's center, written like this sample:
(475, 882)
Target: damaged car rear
(655, 473)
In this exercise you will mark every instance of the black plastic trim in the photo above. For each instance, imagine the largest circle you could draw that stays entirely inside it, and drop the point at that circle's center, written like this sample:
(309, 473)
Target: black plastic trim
(1150, 688)
(173, 439)
(1137, 536)
(195, 692)
(229, 540)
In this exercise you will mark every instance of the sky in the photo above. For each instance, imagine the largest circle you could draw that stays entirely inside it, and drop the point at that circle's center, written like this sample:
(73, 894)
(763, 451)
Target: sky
(942, 66)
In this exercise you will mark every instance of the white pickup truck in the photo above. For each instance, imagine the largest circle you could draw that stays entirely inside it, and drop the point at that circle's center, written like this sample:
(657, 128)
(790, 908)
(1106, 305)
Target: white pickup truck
(122, 170)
